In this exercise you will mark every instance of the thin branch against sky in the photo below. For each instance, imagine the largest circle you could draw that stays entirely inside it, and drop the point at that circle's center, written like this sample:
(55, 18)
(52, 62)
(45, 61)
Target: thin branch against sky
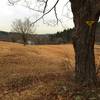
(35, 10)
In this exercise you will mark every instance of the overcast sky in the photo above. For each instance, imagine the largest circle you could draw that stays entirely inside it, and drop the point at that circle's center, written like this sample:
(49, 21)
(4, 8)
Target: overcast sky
(9, 13)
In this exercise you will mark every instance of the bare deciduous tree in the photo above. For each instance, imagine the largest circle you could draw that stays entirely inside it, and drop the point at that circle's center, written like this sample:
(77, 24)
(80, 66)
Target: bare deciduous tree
(23, 27)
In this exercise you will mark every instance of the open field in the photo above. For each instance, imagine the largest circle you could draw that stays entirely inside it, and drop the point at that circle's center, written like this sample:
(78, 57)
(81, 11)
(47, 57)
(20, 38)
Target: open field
(38, 72)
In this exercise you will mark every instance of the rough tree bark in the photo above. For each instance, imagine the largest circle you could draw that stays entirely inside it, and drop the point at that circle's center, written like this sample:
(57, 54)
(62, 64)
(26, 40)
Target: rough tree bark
(84, 38)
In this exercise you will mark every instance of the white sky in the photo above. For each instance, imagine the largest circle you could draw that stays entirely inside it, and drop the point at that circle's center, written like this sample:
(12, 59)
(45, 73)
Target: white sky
(10, 13)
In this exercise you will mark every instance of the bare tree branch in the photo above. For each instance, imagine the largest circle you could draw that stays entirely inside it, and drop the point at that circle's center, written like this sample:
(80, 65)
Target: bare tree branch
(46, 12)
(12, 2)
(67, 15)
(32, 8)
(56, 14)
(45, 6)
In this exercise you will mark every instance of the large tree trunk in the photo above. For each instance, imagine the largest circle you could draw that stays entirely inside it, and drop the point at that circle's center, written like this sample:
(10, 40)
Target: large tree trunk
(83, 40)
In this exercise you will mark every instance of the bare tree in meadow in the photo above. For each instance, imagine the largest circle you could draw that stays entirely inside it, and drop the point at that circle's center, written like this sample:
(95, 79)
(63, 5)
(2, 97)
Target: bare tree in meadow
(24, 28)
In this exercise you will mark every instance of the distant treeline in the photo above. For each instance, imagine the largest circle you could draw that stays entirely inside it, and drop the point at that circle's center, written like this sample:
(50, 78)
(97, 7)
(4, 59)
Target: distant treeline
(62, 37)
(58, 38)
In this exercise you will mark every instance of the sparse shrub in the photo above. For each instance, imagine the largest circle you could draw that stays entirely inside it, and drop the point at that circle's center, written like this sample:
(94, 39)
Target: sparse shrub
(19, 83)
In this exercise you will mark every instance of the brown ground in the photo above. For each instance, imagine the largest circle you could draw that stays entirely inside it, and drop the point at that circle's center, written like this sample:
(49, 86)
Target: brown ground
(38, 72)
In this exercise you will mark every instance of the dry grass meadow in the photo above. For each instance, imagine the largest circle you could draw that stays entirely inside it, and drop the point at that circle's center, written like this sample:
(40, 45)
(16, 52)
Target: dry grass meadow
(41, 72)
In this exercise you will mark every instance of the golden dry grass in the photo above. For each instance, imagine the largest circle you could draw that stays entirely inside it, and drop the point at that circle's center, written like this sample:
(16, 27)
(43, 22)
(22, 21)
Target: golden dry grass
(40, 70)
(27, 59)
